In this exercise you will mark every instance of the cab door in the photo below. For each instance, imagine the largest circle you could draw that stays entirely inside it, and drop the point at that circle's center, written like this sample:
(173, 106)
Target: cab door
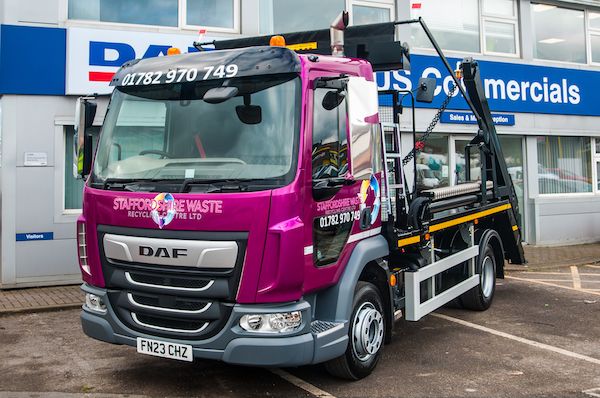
(340, 207)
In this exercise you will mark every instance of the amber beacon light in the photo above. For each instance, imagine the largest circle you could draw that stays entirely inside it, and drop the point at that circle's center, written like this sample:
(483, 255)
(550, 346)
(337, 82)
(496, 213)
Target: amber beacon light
(277, 41)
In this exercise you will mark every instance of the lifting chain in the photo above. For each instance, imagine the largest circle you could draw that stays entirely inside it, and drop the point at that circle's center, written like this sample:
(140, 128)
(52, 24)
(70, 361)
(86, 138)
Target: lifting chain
(421, 143)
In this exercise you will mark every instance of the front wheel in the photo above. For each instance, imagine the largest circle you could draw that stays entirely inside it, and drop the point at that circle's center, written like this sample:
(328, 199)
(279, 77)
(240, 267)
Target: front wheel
(366, 335)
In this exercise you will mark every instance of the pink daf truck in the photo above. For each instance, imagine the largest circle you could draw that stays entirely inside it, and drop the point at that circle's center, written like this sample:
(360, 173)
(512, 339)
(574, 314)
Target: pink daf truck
(241, 206)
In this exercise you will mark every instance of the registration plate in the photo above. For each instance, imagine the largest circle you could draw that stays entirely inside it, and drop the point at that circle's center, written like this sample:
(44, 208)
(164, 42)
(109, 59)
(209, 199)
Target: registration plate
(181, 352)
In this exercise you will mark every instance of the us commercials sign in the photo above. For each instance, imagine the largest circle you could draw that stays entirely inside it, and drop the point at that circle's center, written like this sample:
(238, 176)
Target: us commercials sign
(94, 55)
(509, 87)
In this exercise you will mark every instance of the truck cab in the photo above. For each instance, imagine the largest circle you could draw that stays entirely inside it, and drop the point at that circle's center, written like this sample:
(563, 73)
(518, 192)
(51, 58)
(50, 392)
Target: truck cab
(241, 206)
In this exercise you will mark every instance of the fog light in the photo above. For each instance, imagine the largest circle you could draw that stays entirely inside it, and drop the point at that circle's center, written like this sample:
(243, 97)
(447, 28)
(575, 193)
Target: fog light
(94, 302)
(272, 323)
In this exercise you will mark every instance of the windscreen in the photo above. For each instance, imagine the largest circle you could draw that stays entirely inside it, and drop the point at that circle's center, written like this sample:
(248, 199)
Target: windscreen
(243, 129)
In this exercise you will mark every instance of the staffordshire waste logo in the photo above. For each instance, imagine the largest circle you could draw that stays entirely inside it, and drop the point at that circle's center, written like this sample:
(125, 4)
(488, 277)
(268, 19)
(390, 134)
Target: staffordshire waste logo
(165, 211)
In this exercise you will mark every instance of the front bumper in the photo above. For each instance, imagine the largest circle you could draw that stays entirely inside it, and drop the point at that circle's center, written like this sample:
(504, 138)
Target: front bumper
(313, 342)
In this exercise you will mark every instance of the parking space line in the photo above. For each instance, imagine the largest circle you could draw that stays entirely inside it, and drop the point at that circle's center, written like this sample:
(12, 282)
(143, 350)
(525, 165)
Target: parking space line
(594, 392)
(317, 392)
(576, 279)
(519, 339)
(589, 291)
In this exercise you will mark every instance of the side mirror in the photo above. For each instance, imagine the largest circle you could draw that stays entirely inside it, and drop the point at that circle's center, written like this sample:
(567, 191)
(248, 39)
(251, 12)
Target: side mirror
(332, 100)
(217, 95)
(426, 89)
(85, 112)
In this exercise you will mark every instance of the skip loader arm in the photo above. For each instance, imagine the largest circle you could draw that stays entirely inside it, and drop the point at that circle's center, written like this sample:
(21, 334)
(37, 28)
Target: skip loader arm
(494, 167)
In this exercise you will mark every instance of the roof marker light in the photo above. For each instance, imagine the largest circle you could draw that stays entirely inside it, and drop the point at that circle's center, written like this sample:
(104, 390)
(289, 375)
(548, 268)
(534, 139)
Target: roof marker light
(277, 41)
(173, 51)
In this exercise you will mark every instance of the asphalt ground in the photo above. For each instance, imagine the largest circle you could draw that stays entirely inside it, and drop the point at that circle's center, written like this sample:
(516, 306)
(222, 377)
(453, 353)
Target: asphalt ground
(65, 297)
(541, 337)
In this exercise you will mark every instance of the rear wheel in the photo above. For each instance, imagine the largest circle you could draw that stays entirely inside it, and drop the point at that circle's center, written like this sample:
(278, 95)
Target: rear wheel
(366, 335)
(480, 297)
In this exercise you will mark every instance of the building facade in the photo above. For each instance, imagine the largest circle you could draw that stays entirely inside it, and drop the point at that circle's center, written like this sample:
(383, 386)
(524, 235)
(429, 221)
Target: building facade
(540, 62)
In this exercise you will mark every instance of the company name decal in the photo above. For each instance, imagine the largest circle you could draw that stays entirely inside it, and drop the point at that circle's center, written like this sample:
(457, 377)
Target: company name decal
(164, 208)
(508, 87)
(333, 206)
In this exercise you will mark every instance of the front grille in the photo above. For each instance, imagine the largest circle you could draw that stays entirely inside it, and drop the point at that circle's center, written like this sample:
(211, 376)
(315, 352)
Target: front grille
(169, 301)
(169, 325)
(185, 283)
(176, 304)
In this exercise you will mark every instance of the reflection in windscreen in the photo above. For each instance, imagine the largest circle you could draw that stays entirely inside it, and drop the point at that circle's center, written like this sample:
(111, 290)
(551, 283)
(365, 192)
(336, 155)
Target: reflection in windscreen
(170, 133)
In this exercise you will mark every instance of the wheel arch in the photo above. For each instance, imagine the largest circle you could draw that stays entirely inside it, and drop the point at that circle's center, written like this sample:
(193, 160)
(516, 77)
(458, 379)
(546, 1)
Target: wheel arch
(335, 302)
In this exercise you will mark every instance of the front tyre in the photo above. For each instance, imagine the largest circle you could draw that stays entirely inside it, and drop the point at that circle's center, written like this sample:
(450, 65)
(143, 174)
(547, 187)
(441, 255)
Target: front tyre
(366, 335)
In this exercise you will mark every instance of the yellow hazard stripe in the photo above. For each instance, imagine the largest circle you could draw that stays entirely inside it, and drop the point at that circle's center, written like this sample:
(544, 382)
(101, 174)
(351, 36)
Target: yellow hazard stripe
(448, 224)
(303, 46)
(409, 241)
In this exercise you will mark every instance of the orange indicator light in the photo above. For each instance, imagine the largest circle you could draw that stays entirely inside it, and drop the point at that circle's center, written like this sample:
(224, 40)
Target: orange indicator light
(173, 51)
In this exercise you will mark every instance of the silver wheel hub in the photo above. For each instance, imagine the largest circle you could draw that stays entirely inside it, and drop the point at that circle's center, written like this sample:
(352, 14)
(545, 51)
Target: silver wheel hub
(367, 331)
(487, 277)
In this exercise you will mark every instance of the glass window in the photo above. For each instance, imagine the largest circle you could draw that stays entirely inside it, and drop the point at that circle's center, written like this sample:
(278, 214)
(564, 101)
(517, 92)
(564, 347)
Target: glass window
(74, 187)
(598, 173)
(594, 26)
(564, 165)
(474, 162)
(432, 163)
(454, 24)
(594, 19)
(500, 37)
(504, 8)
(282, 16)
(213, 13)
(222, 14)
(364, 15)
(329, 159)
(168, 134)
(595, 48)
(564, 44)
(330, 143)
(142, 12)
(512, 148)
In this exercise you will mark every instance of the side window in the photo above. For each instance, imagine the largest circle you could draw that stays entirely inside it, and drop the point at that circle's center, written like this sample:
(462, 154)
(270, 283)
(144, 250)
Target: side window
(329, 161)
(330, 142)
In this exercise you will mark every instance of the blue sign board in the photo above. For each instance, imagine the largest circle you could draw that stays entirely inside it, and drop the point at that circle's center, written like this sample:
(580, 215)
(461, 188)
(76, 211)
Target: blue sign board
(469, 118)
(509, 87)
(35, 236)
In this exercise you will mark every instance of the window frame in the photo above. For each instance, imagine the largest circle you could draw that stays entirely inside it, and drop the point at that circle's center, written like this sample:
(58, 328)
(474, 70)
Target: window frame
(383, 4)
(489, 17)
(592, 158)
(181, 18)
(589, 33)
(595, 163)
(586, 36)
(184, 25)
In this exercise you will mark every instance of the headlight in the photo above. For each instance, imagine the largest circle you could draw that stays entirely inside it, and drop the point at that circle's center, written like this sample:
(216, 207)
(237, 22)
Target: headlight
(94, 302)
(272, 323)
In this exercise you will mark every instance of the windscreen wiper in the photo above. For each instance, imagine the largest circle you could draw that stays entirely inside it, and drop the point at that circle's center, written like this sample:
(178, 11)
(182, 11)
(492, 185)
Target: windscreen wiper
(139, 185)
